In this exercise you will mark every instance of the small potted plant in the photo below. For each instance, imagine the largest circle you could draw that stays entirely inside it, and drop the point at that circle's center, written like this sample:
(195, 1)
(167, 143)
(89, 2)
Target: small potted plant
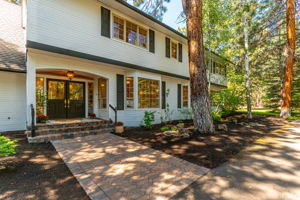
(92, 115)
(42, 118)
(119, 128)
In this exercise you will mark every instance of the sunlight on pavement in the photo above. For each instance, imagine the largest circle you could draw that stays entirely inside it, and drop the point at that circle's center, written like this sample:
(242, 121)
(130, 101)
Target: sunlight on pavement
(118, 168)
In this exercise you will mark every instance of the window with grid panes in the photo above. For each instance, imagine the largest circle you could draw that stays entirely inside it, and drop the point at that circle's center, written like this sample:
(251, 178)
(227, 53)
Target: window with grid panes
(131, 33)
(174, 50)
(129, 92)
(118, 28)
(148, 92)
(185, 96)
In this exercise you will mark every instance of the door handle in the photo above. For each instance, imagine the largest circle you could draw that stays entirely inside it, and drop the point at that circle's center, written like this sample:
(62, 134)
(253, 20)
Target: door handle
(65, 101)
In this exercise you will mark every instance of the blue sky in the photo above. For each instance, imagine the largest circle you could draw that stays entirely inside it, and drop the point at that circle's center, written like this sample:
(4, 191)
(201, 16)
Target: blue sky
(174, 10)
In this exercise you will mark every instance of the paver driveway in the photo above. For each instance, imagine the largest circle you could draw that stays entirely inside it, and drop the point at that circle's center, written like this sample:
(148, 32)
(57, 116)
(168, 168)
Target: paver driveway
(111, 167)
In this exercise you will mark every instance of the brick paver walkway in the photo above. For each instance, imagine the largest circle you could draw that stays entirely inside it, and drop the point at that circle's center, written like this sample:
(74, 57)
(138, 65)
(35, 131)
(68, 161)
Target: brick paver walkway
(111, 167)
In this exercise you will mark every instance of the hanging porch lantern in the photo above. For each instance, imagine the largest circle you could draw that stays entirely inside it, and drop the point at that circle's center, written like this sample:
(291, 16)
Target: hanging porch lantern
(70, 74)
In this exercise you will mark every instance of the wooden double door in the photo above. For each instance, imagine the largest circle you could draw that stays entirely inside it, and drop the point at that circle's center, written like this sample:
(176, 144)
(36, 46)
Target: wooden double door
(65, 99)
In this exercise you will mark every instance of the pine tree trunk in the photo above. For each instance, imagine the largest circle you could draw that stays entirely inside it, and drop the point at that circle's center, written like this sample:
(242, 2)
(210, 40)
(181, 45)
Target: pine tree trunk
(247, 75)
(290, 52)
(198, 79)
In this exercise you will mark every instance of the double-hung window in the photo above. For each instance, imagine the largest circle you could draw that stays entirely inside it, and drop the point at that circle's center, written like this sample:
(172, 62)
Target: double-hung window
(185, 96)
(129, 32)
(118, 28)
(102, 94)
(129, 92)
(174, 50)
(142, 37)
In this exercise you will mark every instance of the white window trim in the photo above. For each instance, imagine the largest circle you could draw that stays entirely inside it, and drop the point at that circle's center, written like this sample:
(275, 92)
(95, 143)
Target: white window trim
(134, 93)
(137, 92)
(124, 31)
(182, 96)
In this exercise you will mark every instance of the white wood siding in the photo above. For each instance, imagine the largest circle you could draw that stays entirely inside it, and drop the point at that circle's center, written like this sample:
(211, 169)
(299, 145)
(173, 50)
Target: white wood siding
(75, 25)
(131, 117)
(12, 101)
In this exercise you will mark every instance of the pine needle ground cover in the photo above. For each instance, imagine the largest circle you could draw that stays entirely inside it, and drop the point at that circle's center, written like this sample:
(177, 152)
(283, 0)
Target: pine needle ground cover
(209, 150)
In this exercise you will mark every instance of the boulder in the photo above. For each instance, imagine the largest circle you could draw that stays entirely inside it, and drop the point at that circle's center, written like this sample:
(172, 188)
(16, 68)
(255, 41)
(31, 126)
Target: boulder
(222, 127)
(180, 125)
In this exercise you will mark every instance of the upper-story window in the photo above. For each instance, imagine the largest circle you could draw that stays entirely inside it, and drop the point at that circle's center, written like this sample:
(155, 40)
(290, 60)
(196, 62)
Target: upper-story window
(118, 28)
(174, 50)
(142, 37)
(129, 32)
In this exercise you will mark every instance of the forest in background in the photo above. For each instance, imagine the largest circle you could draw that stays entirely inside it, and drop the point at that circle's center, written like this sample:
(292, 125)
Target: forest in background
(223, 33)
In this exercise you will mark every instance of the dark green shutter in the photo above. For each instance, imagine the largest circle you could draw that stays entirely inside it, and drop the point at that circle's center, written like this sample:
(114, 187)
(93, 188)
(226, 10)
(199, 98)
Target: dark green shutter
(151, 41)
(163, 95)
(105, 22)
(120, 92)
(180, 52)
(179, 96)
(168, 43)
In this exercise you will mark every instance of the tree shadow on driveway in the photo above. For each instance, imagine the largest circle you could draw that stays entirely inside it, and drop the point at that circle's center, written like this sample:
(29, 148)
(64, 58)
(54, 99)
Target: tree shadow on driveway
(270, 169)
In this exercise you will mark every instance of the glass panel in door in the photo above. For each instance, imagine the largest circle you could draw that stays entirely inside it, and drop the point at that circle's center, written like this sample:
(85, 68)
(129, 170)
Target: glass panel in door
(76, 101)
(56, 105)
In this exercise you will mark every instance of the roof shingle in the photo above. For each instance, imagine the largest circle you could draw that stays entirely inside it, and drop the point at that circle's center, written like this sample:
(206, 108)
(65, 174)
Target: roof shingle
(12, 40)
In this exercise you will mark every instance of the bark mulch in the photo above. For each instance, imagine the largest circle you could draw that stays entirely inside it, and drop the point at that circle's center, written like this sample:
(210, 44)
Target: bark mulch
(208, 150)
(40, 174)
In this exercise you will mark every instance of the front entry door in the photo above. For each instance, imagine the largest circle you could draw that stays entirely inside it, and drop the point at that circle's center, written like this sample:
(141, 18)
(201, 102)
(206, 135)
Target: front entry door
(66, 99)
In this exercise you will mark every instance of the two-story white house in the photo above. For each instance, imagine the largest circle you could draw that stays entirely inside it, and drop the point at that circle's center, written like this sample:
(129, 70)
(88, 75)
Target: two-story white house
(85, 55)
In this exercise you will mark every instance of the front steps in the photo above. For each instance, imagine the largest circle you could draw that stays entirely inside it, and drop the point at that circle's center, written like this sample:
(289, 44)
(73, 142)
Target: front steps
(68, 129)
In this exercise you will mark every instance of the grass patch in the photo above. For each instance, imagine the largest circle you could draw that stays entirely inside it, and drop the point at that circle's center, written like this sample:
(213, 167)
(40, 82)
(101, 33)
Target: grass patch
(295, 115)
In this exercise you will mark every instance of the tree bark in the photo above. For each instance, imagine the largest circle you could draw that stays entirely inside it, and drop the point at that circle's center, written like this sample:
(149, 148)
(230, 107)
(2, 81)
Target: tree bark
(247, 72)
(198, 78)
(290, 53)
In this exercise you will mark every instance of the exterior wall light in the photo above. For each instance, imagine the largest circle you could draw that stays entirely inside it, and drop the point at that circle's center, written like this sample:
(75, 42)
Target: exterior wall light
(70, 74)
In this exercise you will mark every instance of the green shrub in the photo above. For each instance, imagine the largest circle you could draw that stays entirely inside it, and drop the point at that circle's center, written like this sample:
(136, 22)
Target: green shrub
(165, 128)
(174, 128)
(227, 100)
(7, 146)
(216, 115)
(293, 118)
(149, 118)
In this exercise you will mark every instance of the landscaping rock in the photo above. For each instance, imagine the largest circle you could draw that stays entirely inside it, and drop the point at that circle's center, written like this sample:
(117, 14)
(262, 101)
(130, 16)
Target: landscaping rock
(255, 124)
(185, 135)
(243, 123)
(171, 133)
(184, 131)
(180, 125)
(222, 127)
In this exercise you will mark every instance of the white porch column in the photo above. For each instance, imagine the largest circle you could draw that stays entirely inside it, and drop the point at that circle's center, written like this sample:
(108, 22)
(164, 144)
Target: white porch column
(30, 89)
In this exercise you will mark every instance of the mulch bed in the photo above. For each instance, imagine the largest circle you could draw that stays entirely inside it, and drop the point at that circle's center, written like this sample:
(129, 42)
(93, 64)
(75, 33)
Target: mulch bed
(208, 150)
(39, 174)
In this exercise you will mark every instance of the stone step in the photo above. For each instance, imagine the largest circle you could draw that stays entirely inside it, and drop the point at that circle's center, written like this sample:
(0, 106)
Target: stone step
(58, 125)
(48, 138)
(67, 129)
